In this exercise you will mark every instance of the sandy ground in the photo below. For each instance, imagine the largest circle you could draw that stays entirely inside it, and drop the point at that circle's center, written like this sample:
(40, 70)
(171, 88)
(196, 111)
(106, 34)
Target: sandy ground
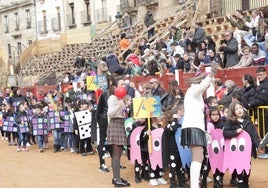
(67, 170)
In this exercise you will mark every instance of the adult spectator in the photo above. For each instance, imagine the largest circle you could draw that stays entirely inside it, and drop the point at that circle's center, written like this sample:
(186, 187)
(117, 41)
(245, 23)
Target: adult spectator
(203, 58)
(260, 98)
(175, 35)
(143, 44)
(176, 49)
(252, 25)
(152, 67)
(229, 46)
(113, 64)
(213, 57)
(159, 44)
(199, 36)
(92, 62)
(124, 45)
(187, 62)
(246, 60)
(168, 98)
(210, 44)
(230, 89)
(248, 90)
(179, 62)
(157, 90)
(238, 21)
(17, 97)
(149, 21)
(80, 62)
(259, 56)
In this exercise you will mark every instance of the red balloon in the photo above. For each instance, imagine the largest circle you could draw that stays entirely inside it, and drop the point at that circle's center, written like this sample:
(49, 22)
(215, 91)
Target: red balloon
(120, 92)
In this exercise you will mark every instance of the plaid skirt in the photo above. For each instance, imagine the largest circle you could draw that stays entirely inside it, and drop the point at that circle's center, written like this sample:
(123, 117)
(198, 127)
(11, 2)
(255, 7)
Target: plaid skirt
(193, 136)
(116, 132)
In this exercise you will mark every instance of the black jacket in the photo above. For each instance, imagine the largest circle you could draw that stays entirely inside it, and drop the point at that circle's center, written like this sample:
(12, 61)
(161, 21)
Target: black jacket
(261, 97)
(230, 131)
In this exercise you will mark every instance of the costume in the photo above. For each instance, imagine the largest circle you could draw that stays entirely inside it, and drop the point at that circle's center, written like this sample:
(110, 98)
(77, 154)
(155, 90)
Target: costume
(193, 129)
(230, 131)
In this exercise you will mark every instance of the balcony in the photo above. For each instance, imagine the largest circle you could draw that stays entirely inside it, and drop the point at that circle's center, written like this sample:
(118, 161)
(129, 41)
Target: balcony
(148, 3)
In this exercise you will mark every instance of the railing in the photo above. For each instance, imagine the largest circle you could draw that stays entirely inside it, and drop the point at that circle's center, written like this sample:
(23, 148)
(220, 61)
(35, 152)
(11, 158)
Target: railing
(259, 118)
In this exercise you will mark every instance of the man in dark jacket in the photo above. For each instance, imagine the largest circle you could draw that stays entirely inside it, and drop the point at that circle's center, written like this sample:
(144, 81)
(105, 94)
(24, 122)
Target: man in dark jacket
(149, 21)
(157, 90)
(230, 48)
(261, 97)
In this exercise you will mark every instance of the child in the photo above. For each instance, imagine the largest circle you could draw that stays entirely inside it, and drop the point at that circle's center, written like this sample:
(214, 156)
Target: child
(69, 129)
(22, 122)
(82, 106)
(237, 122)
(174, 116)
(39, 124)
(155, 176)
(8, 119)
(215, 122)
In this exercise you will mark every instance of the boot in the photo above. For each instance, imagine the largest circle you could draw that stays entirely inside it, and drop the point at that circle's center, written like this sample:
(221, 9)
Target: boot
(58, 148)
(173, 184)
(218, 183)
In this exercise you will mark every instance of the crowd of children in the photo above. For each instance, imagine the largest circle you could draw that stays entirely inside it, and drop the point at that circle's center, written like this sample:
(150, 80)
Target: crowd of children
(70, 121)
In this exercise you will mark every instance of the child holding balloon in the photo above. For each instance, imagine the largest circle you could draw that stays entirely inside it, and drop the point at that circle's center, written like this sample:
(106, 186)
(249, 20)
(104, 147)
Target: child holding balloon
(116, 135)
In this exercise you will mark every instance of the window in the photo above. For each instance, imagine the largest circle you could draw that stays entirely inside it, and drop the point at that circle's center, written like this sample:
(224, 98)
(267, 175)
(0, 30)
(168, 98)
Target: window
(28, 19)
(6, 24)
(72, 13)
(9, 51)
(59, 18)
(44, 22)
(16, 21)
(19, 47)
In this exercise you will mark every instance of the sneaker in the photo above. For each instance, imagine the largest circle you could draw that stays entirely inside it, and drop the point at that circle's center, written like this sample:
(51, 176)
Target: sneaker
(41, 150)
(9, 144)
(28, 144)
(153, 182)
(72, 150)
(103, 168)
(84, 154)
(234, 183)
(106, 155)
(122, 183)
(209, 180)
(137, 179)
(18, 149)
(91, 153)
(45, 146)
(263, 156)
(161, 181)
(25, 149)
(62, 148)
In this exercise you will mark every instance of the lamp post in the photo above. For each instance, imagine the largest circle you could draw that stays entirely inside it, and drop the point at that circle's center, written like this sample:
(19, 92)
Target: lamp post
(118, 18)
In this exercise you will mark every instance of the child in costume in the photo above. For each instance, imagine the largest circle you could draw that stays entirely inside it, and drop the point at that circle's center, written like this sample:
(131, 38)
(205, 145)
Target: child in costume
(174, 118)
(237, 123)
(22, 122)
(40, 126)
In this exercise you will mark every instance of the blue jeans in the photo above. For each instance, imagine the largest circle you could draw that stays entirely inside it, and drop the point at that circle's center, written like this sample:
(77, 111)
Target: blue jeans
(249, 39)
(57, 135)
(40, 141)
(22, 139)
(69, 140)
